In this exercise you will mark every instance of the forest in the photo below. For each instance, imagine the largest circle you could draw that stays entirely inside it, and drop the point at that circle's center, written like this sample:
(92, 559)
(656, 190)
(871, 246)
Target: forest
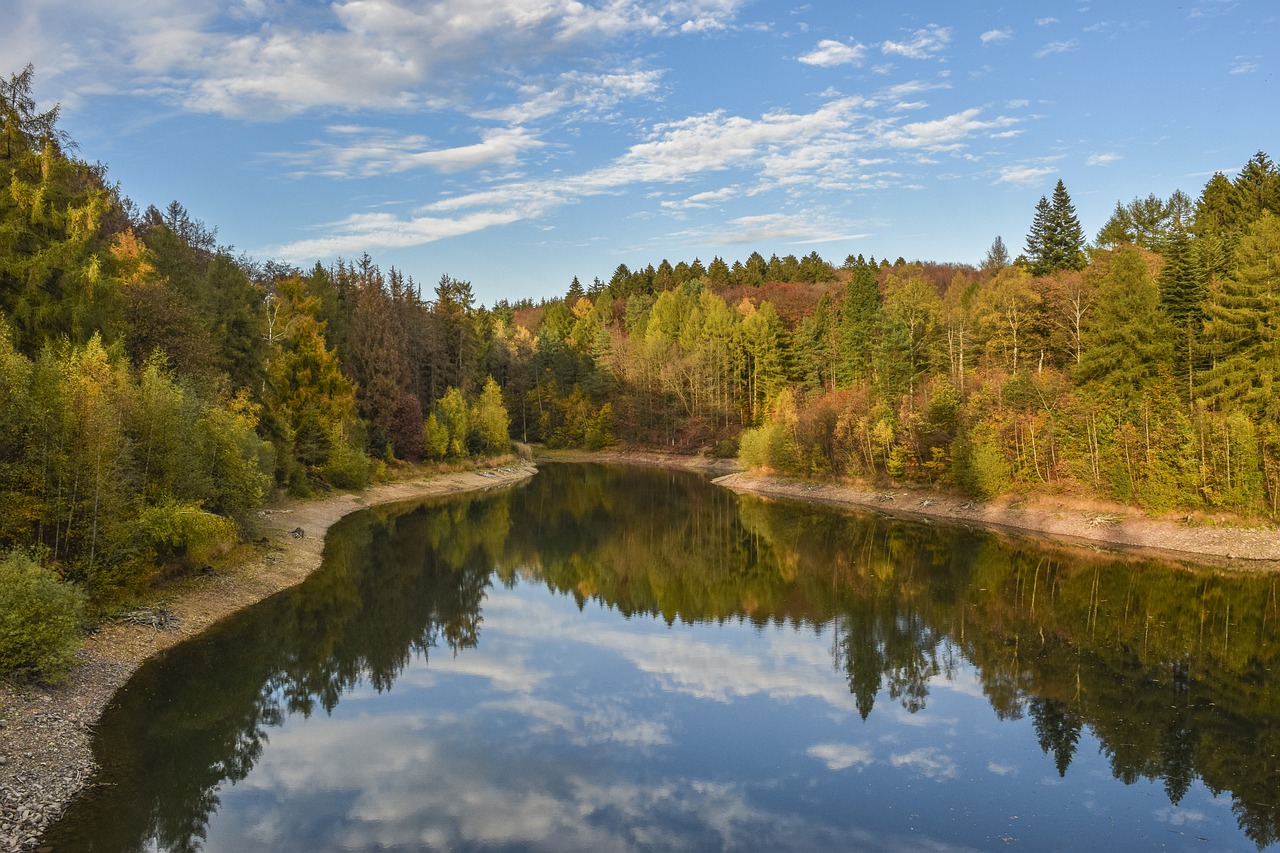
(157, 386)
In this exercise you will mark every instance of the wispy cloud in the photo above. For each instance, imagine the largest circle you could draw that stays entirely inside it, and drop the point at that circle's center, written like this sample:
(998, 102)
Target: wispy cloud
(841, 756)
(1044, 22)
(1104, 159)
(830, 53)
(1057, 47)
(1025, 175)
(945, 132)
(1245, 65)
(924, 43)
(928, 762)
(275, 59)
(369, 152)
(995, 36)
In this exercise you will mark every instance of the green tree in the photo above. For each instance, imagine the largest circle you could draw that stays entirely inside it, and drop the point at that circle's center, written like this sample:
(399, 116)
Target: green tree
(1243, 326)
(1056, 240)
(39, 620)
(1148, 223)
(1127, 343)
(1182, 294)
(489, 420)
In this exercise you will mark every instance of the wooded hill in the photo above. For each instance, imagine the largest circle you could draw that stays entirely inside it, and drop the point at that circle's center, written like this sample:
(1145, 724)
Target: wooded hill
(156, 386)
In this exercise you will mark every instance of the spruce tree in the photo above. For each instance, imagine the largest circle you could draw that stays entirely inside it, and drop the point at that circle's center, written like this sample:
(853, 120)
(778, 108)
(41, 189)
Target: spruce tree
(1064, 240)
(1182, 295)
(1056, 240)
(1243, 325)
(1036, 246)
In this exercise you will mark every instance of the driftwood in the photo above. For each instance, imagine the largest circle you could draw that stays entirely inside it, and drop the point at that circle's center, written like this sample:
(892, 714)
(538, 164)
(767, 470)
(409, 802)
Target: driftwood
(156, 618)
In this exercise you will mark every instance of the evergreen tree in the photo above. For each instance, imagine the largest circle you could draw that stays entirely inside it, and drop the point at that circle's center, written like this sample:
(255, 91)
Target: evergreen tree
(1182, 295)
(1056, 240)
(1243, 326)
(858, 310)
(1127, 342)
(1035, 249)
(997, 257)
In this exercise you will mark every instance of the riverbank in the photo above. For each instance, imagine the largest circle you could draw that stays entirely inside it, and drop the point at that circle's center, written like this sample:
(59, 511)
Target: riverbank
(45, 733)
(1204, 539)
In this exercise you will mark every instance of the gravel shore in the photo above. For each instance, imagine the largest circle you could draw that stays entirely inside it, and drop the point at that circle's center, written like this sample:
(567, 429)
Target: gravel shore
(45, 733)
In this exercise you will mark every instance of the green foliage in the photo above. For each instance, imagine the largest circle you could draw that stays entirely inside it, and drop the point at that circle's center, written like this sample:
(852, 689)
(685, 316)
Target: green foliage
(489, 422)
(1056, 240)
(173, 530)
(1128, 340)
(983, 470)
(454, 416)
(435, 437)
(39, 620)
(346, 467)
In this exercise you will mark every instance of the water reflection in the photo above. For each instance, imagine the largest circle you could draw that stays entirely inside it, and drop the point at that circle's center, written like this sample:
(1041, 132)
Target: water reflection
(828, 680)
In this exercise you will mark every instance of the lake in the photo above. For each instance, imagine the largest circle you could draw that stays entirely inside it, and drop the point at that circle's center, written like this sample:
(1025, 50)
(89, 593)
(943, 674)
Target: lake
(612, 658)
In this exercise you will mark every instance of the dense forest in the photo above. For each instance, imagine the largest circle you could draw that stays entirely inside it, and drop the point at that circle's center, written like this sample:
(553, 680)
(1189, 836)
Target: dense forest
(157, 386)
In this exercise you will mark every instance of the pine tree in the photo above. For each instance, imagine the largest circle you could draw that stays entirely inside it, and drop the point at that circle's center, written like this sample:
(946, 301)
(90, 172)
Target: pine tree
(1036, 247)
(1056, 240)
(997, 257)
(1064, 242)
(1182, 295)
(1243, 325)
(1126, 343)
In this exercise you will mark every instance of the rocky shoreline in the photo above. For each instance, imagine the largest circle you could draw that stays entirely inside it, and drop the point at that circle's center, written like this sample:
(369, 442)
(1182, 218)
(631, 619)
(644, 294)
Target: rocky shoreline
(45, 733)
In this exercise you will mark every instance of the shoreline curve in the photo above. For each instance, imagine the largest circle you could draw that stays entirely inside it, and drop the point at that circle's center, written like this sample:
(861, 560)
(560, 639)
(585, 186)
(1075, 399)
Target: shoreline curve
(46, 756)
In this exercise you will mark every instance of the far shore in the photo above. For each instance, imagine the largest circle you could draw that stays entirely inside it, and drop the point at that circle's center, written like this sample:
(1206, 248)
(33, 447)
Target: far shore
(45, 732)
(1204, 539)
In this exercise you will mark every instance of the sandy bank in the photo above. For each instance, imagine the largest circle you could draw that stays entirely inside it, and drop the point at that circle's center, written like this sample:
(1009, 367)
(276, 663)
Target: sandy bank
(1057, 518)
(45, 733)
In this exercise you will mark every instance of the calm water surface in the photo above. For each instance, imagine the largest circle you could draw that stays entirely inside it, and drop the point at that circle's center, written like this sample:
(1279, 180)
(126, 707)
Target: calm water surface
(621, 659)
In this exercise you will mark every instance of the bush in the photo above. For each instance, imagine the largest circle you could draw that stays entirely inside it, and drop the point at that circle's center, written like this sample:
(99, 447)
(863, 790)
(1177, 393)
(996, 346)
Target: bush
(39, 620)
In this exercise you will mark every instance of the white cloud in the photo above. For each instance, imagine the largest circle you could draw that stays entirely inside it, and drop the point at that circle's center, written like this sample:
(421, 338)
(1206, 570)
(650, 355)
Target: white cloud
(1056, 47)
(944, 132)
(1023, 174)
(273, 60)
(928, 762)
(1245, 65)
(368, 152)
(841, 756)
(1044, 22)
(1105, 159)
(1018, 103)
(830, 53)
(993, 36)
(924, 43)
(912, 87)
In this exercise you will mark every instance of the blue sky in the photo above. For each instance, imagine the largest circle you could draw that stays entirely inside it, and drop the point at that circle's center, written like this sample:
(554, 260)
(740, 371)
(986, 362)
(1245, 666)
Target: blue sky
(518, 143)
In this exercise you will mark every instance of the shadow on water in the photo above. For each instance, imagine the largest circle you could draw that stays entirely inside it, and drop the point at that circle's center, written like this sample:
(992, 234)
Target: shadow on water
(1173, 670)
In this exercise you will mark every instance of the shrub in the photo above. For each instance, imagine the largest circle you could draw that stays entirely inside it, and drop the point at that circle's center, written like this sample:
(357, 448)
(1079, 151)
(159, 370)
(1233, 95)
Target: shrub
(39, 620)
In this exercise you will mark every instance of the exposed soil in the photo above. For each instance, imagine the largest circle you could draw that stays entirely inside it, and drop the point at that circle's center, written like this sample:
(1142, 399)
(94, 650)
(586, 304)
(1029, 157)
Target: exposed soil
(45, 733)
(1207, 540)
(1220, 541)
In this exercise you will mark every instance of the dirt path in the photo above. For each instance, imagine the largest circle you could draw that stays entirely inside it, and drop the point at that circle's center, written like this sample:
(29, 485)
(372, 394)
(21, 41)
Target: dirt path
(45, 733)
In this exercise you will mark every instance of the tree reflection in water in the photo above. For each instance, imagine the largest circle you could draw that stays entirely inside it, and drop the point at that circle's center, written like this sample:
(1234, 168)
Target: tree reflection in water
(1172, 669)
